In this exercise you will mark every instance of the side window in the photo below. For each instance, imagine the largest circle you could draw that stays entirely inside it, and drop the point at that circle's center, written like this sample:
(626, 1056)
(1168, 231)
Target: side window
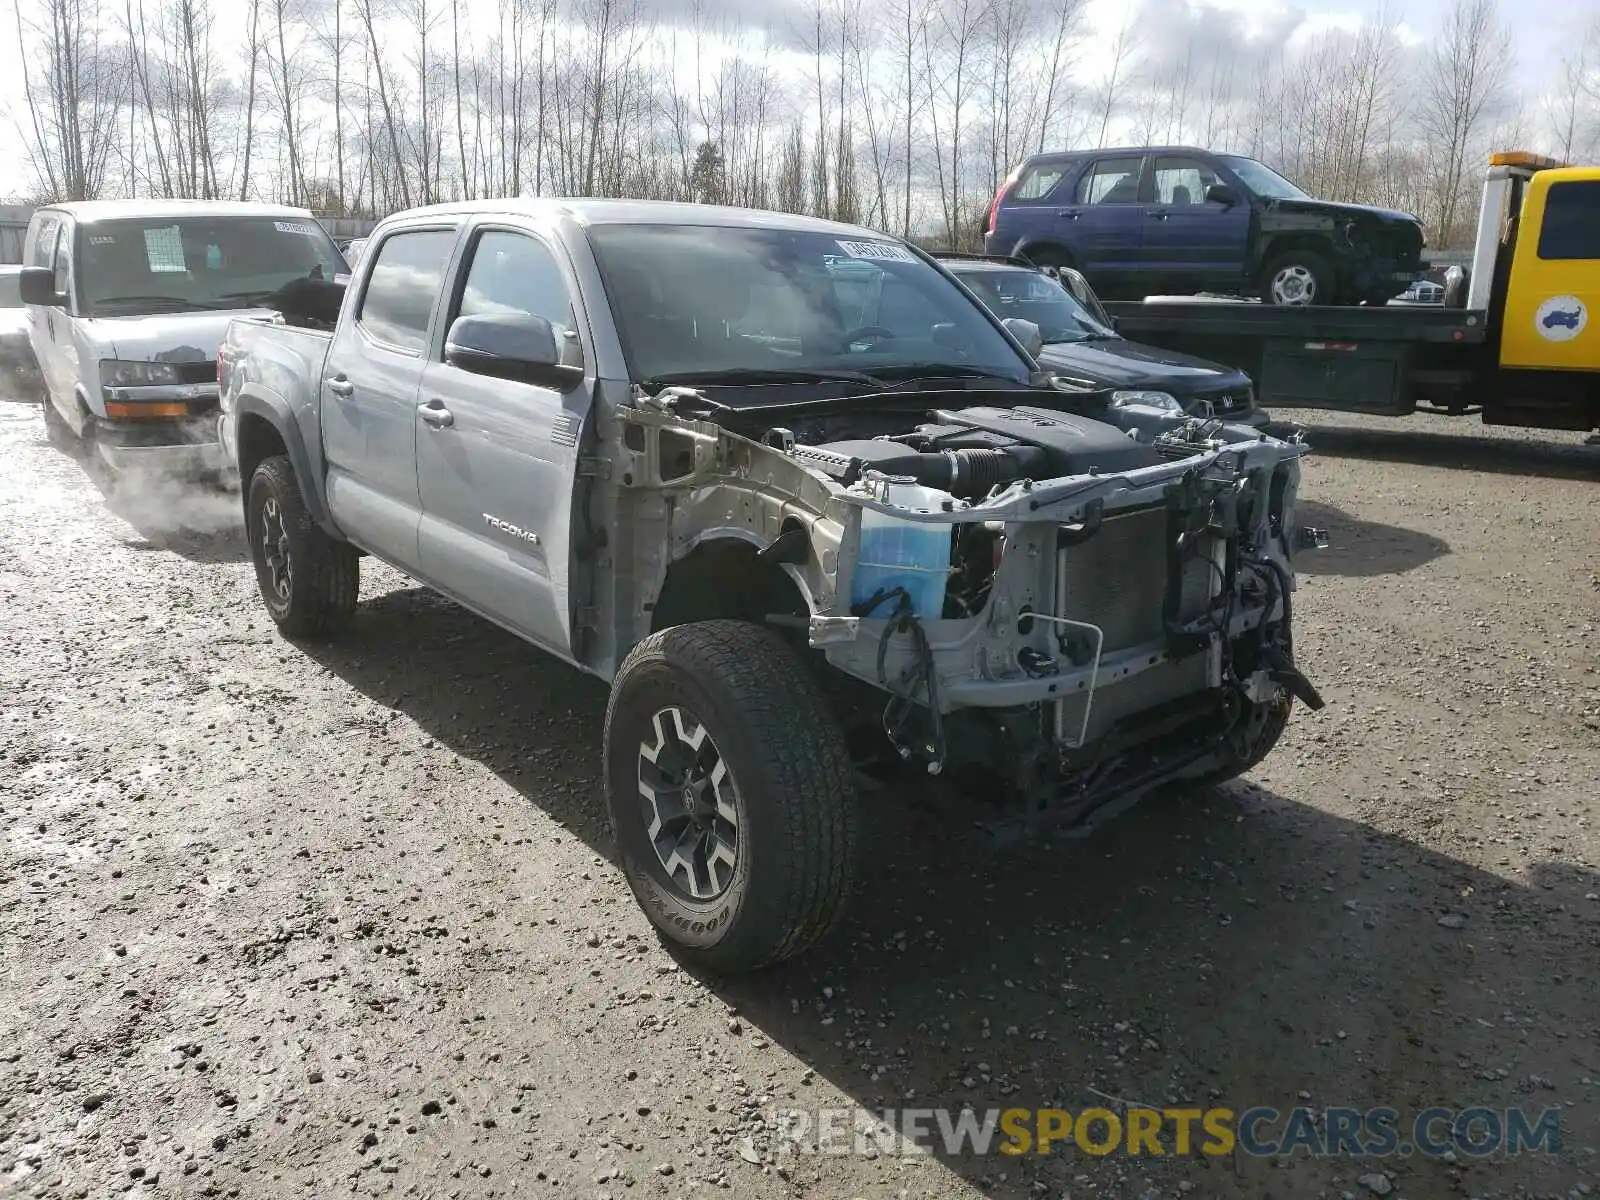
(1038, 181)
(405, 280)
(63, 263)
(1181, 181)
(1571, 228)
(1111, 181)
(44, 247)
(515, 273)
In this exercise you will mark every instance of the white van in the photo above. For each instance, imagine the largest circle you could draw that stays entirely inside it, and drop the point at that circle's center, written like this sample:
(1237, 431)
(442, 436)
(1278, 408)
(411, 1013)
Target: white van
(127, 304)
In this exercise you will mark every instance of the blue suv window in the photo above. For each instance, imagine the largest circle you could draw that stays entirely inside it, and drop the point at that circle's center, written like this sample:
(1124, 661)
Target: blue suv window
(1111, 181)
(1038, 181)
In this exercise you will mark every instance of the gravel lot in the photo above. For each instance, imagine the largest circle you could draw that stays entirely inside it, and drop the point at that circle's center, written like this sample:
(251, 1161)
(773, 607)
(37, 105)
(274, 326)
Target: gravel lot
(297, 922)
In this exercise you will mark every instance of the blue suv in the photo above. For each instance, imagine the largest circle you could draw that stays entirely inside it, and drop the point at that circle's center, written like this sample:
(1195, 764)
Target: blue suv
(1157, 220)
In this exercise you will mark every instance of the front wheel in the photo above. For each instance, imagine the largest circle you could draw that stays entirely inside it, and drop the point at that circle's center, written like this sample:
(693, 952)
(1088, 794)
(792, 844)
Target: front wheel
(1297, 278)
(1253, 737)
(731, 792)
(57, 432)
(308, 580)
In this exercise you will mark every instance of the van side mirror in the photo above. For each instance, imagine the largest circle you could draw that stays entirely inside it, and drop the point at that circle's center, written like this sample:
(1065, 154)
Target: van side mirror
(38, 286)
(1221, 193)
(518, 346)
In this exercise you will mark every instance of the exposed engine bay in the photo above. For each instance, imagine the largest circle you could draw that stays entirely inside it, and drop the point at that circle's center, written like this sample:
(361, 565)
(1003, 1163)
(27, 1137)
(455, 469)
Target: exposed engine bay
(969, 452)
(1080, 609)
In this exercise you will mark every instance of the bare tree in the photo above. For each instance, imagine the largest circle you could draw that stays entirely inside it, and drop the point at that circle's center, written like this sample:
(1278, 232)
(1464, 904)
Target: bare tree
(73, 90)
(1464, 86)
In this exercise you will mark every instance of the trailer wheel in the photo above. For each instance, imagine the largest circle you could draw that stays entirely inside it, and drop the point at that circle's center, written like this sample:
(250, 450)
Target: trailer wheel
(1297, 278)
(731, 792)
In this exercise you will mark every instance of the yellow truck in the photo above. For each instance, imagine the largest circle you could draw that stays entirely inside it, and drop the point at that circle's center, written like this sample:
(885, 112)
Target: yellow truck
(1517, 340)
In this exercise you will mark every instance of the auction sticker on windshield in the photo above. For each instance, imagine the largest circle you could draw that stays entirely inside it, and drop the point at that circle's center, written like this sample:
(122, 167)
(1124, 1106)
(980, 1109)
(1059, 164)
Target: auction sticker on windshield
(881, 251)
(294, 227)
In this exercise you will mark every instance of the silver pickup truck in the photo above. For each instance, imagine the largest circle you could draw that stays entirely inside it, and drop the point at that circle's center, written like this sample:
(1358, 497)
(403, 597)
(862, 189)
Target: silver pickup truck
(808, 506)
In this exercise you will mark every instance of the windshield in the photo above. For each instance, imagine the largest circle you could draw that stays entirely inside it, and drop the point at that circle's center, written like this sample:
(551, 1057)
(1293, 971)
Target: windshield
(1037, 298)
(150, 265)
(10, 290)
(700, 300)
(1262, 179)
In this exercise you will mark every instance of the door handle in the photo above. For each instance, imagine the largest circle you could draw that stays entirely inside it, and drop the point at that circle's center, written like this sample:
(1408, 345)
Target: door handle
(341, 386)
(1159, 216)
(1070, 214)
(436, 414)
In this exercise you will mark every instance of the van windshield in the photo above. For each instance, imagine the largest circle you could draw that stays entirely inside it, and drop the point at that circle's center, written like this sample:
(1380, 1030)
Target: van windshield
(693, 300)
(154, 265)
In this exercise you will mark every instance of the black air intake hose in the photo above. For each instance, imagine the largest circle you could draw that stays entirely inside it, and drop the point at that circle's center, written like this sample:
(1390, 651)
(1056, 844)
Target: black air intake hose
(974, 472)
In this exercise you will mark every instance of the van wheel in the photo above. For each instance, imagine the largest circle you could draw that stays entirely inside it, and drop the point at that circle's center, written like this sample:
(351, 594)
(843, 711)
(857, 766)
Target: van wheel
(1297, 278)
(57, 432)
(308, 580)
(732, 794)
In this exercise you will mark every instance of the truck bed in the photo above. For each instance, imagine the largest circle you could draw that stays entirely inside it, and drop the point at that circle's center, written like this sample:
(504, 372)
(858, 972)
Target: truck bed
(1373, 360)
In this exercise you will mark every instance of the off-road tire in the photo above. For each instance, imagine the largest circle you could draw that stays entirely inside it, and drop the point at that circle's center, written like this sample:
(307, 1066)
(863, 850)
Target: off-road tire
(323, 574)
(1310, 267)
(792, 780)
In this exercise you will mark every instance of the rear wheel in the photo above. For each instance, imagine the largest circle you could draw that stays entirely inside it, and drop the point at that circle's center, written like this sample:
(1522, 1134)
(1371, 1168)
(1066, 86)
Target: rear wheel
(308, 581)
(1297, 278)
(731, 792)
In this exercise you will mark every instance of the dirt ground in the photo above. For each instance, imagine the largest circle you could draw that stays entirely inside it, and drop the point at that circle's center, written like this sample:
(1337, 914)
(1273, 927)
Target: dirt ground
(284, 921)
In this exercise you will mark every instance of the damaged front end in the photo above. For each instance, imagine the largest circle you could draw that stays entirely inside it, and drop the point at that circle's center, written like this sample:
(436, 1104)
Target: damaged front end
(1034, 599)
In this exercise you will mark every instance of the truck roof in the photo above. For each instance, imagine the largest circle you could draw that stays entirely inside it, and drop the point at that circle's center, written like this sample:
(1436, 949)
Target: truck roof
(643, 212)
(89, 211)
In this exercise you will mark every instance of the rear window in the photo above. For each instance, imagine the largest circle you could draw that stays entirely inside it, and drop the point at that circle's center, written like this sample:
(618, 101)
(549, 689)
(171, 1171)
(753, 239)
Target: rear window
(1571, 221)
(405, 280)
(1111, 181)
(1038, 181)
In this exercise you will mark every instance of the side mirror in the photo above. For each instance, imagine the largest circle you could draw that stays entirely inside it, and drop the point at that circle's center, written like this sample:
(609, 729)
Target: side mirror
(1027, 333)
(38, 286)
(517, 346)
(1221, 193)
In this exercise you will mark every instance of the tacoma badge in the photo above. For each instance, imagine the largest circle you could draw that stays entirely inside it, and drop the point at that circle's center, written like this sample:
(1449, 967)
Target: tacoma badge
(516, 531)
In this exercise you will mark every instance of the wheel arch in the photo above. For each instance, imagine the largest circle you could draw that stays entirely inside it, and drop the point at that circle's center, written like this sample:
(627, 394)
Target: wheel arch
(263, 427)
(730, 573)
(1047, 252)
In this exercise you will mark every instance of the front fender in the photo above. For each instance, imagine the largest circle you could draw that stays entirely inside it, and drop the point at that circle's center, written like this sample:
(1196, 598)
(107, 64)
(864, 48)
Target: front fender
(246, 451)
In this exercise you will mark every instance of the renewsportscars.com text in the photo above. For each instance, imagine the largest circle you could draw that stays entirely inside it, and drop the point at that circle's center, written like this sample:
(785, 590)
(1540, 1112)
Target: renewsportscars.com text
(1259, 1132)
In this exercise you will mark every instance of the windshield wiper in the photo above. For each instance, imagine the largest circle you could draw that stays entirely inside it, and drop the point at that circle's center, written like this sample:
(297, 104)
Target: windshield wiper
(756, 375)
(179, 300)
(251, 298)
(927, 372)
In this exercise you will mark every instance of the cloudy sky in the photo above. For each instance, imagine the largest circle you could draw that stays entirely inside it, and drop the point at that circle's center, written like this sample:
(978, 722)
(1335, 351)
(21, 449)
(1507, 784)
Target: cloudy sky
(1165, 28)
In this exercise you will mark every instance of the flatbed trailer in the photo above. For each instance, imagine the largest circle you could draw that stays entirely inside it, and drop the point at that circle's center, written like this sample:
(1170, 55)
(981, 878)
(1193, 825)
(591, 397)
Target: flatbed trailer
(1517, 344)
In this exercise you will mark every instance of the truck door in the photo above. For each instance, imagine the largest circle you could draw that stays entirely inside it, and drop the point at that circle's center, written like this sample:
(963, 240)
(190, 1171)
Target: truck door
(1103, 223)
(43, 320)
(1552, 309)
(369, 393)
(1189, 240)
(497, 458)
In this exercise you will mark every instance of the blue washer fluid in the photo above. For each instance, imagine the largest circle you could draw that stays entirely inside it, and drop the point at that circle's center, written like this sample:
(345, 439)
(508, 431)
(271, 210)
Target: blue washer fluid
(912, 555)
